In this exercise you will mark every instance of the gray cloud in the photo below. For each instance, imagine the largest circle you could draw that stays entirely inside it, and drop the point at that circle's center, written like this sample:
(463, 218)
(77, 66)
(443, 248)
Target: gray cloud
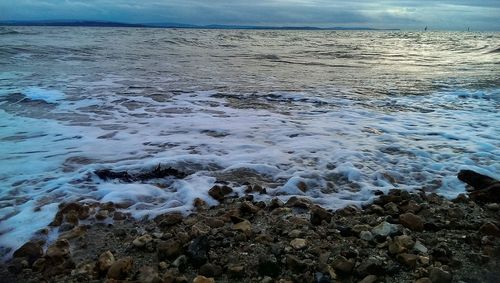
(406, 14)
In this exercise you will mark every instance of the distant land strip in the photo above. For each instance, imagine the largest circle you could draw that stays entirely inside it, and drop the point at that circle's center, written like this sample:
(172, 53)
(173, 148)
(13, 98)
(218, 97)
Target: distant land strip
(74, 23)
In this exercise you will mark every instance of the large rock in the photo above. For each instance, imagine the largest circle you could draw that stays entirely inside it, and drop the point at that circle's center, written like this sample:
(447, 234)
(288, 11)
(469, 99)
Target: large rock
(370, 267)
(219, 192)
(437, 275)
(170, 249)
(412, 221)
(120, 269)
(490, 229)
(319, 214)
(343, 266)
(197, 251)
(268, 266)
(408, 260)
(385, 229)
(401, 244)
(31, 251)
(485, 189)
(106, 259)
(170, 219)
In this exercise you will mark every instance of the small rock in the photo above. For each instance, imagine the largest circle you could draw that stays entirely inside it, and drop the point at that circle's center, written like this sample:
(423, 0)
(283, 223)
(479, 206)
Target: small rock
(268, 266)
(419, 247)
(412, 221)
(322, 278)
(267, 279)
(437, 275)
(366, 236)
(142, 241)
(295, 264)
(493, 206)
(369, 279)
(244, 226)
(391, 208)
(298, 202)
(275, 203)
(370, 267)
(180, 262)
(202, 279)
(120, 269)
(106, 259)
(199, 229)
(298, 243)
(118, 215)
(170, 219)
(384, 229)
(248, 207)
(147, 274)
(302, 186)
(31, 251)
(197, 251)
(296, 233)
(74, 233)
(210, 270)
(424, 260)
(409, 260)
(59, 250)
(401, 244)
(214, 222)
(424, 280)
(490, 229)
(169, 249)
(219, 192)
(236, 271)
(102, 214)
(410, 206)
(343, 266)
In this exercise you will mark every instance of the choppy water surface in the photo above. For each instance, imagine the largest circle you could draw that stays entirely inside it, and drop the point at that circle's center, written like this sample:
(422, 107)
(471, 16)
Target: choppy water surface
(346, 113)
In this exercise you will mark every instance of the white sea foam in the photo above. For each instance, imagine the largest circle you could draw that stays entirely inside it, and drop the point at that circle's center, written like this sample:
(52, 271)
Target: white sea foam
(37, 93)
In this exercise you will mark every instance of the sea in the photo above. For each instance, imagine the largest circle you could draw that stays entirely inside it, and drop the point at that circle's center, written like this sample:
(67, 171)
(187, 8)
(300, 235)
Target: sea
(333, 116)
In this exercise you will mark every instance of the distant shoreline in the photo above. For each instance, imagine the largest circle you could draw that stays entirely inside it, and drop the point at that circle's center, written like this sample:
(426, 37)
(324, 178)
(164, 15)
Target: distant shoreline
(173, 25)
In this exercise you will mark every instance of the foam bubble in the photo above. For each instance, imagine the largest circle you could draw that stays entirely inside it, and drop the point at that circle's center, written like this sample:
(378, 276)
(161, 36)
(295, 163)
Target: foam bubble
(47, 95)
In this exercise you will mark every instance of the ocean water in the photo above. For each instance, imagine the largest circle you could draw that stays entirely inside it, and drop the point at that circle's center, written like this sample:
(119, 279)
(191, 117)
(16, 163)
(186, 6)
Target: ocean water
(345, 113)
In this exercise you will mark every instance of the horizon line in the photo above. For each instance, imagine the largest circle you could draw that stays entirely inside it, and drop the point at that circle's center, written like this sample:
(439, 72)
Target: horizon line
(108, 23)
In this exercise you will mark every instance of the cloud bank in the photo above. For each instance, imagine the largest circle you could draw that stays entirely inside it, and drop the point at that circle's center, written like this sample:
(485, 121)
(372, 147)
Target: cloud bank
(405, 14)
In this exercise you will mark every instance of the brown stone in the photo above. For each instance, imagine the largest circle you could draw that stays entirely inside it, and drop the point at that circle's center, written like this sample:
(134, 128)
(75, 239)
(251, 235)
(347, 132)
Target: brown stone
(169, 219)
(437, 275)
(243, 226)
(490, 229)
(319, 214)
(412, 221)
(409, 260)
(248, 207)
(202, 279)
(147, 274)
(60, 249)
(170, 249)
(120, 269)
(31, 251)
(298, 243)
(343, 266)
(369, 279)
(401, 244)
(219, 192)
(106, 259)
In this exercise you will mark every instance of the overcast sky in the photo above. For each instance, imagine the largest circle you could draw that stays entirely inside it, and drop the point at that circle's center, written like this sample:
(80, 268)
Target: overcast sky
(404, 14)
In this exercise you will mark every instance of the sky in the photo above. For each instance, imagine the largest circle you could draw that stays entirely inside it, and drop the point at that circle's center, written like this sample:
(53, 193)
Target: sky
(403, 14)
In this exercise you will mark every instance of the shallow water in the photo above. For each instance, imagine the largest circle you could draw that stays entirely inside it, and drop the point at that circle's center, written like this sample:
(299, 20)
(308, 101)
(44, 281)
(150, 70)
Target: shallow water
(346, 113)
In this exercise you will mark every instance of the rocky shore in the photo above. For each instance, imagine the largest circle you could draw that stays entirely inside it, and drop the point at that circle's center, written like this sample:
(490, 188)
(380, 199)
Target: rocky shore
(400, 237)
